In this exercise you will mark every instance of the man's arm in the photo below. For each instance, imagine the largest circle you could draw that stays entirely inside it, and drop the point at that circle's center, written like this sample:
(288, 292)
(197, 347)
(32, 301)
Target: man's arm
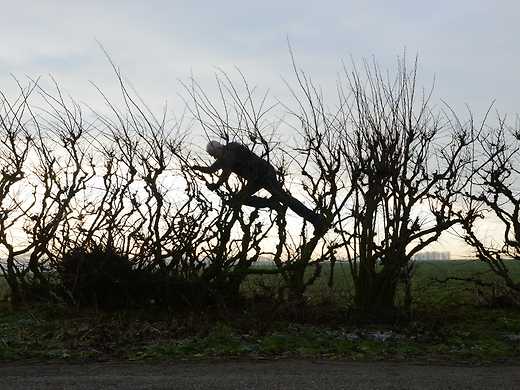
(223, 177)
(211, 169)
(221, 180)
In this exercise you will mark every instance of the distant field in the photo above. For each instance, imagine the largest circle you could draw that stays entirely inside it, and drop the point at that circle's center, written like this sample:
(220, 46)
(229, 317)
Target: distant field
(426, 287)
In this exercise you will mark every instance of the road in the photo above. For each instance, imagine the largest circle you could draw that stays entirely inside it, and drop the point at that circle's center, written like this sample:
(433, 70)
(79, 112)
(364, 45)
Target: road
(281, 374)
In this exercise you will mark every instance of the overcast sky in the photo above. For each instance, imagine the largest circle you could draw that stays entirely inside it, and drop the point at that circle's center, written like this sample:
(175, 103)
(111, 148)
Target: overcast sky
(471, 47)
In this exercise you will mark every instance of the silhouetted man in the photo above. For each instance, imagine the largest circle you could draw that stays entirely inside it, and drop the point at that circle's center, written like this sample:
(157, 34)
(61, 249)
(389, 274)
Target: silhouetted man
(237, 158)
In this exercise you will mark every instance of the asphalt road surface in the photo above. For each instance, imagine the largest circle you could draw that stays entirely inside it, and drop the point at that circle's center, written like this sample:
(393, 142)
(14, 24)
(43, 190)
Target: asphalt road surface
(281, 374)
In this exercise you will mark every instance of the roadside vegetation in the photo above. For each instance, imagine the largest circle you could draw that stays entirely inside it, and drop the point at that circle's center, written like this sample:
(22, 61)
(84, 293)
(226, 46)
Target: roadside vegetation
(113, 245)
(453, 321)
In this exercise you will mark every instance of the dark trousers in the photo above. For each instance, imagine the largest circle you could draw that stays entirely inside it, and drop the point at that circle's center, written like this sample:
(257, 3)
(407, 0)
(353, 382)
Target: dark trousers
(278, 199)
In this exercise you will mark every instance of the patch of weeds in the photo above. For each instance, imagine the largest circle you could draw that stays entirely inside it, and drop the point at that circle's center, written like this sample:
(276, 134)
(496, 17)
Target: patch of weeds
(398, 350)
(491, 349)
(8, 346)
(508, 324)
(220, 341)
(276, 343)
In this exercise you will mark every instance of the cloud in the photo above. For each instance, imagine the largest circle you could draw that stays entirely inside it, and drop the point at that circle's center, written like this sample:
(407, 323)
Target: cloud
(470, 46)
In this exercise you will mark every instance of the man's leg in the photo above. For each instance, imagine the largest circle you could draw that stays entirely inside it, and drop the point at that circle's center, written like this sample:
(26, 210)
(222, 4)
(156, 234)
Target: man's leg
(245, 197)
(260, 202)
(245, 192)
(295, 205)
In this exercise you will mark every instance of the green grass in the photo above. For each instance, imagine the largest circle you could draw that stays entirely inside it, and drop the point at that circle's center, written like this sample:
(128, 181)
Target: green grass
(426, 288)
(449, 325)
(469, 335)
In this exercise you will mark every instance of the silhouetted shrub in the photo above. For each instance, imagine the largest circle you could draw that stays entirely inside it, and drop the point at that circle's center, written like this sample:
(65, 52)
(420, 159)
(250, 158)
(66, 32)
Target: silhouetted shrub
(98, 276)
(104, 278)
(166, 289)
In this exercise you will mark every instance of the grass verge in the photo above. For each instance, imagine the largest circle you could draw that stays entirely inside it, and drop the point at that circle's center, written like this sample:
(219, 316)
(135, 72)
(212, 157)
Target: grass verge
(471, 334)
(449, 325)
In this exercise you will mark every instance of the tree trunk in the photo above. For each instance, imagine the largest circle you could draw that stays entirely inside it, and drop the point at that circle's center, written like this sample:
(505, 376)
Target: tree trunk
(296, 284)
(375, 295)
(12, 280)
(15, 290)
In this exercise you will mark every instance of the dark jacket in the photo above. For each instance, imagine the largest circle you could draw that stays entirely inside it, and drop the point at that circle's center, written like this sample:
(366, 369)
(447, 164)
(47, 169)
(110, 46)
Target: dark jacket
(243, 162)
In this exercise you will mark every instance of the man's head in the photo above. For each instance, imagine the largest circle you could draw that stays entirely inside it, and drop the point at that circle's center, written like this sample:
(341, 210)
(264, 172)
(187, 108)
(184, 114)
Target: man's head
(215, 149)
